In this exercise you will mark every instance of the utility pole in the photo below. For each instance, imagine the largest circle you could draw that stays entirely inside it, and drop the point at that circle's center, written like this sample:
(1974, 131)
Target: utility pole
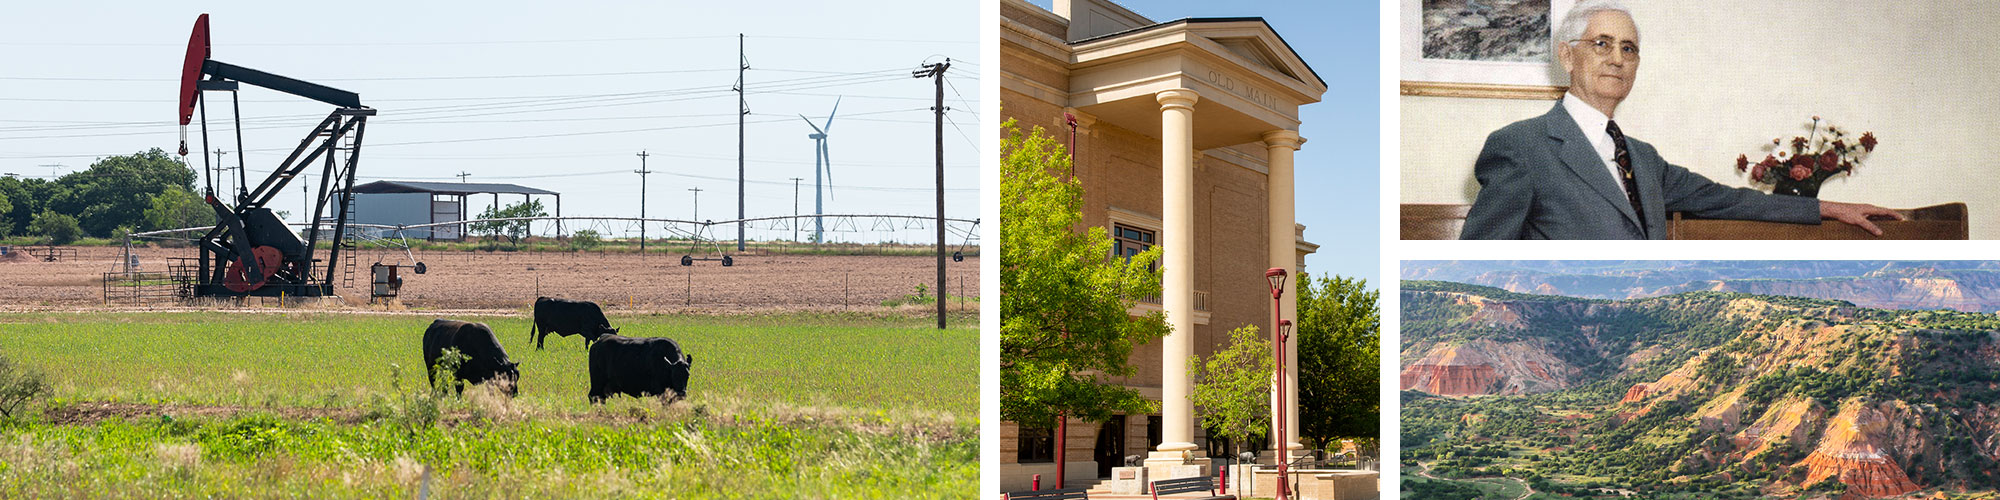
(697, 203)
(936, 73)
(795, 208)
(220, 168)
(642, 201)
(742, 110)
(462, 175)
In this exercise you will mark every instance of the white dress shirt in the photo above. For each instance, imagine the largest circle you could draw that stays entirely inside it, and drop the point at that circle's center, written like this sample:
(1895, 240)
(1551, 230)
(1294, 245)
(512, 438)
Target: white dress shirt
(1593, 123)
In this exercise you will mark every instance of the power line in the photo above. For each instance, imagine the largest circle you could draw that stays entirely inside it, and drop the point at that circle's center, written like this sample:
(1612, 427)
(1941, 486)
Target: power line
(969, 108)
(40, 43)
(372, 79)
(435, 77)
(961, 132)
(803, 83)
(466, 111)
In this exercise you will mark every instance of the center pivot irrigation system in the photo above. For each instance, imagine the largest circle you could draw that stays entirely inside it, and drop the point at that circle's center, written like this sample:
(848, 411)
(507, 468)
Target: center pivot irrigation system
(250, 251)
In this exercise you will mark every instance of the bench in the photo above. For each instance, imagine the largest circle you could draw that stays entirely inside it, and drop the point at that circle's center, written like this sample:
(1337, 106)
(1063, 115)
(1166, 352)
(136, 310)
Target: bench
(1200, 484)
(1062, 494)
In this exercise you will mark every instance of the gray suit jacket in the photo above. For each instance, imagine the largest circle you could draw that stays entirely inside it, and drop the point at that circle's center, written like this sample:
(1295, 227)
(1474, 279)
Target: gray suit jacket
(1540, 179)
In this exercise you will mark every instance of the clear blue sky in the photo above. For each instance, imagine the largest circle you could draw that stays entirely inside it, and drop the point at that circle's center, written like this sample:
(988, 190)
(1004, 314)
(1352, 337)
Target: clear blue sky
(1339, 173)
(527, 93)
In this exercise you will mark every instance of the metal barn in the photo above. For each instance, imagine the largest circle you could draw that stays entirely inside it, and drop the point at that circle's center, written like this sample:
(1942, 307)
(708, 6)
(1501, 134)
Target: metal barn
(408, 203)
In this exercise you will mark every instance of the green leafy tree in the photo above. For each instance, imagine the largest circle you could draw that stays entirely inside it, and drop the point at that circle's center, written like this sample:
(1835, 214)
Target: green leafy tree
(1064, 329)
(28, 197)
(1233, 388)
(1339, 335)
(515, 230)
(117, 190)
(60, 229)
(177, 208)
(6, 207)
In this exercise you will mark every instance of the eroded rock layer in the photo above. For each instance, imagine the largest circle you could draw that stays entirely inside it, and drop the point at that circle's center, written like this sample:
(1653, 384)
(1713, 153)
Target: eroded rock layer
(1869, 474)
(1847, 453)
(1483, 367)
(1451, 380)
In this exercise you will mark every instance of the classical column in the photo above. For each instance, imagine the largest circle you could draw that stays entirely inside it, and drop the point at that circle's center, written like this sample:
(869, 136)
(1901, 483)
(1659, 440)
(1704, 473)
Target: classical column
(1284, 253)
(1177, 298)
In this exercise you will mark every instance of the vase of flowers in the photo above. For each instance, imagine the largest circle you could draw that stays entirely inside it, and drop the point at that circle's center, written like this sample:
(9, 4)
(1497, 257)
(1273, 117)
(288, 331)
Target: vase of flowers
(1798, 167)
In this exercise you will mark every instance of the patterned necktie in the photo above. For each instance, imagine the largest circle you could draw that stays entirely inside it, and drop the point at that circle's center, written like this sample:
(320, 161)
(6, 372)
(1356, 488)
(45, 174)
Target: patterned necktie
(1624, 159)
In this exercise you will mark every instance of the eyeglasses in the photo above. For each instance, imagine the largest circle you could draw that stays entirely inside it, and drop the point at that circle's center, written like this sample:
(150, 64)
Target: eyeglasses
(1602, 46)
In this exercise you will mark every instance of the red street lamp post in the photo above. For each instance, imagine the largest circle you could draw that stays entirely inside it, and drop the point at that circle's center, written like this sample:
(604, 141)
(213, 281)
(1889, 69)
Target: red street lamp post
(1279, 331)
(1062, 418)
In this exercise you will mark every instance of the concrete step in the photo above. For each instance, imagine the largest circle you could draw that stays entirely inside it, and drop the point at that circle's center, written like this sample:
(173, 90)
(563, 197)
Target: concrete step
(1093, 484)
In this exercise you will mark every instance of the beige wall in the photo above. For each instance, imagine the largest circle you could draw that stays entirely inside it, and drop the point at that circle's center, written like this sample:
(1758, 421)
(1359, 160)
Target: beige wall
(1722, 79)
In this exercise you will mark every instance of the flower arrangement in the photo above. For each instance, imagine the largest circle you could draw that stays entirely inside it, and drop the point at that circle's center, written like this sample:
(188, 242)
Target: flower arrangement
(1798, 168)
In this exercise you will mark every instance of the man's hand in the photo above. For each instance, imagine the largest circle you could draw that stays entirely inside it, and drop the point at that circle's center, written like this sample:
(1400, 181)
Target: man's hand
(1857, 214)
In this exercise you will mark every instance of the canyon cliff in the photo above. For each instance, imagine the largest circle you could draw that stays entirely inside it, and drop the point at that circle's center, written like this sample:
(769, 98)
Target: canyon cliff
(1723, 387)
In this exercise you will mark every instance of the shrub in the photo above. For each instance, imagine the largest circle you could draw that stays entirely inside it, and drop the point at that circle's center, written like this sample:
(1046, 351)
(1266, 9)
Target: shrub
(921, 295)
(586, 239)
(420, 409)
(20, 389)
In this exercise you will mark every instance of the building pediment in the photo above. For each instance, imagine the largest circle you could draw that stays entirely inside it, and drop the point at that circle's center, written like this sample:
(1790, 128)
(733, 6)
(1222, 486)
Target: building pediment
(1255, 50)
(1244, 41)
(1248, 79)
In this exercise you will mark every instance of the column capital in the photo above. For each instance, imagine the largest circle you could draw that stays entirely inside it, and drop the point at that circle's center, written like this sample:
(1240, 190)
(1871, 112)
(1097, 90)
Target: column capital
(1283, 139)
(1177, 98)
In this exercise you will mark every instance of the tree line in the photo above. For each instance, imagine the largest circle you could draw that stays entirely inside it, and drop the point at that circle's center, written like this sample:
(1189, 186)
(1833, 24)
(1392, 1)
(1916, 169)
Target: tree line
(117, 195)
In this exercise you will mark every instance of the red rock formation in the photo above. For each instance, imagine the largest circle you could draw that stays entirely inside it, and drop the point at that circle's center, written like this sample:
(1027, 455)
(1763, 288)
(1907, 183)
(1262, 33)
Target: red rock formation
(1869, 474)
(1636, 394)
(1483, 367)
(1446, 380)
(1847, 453)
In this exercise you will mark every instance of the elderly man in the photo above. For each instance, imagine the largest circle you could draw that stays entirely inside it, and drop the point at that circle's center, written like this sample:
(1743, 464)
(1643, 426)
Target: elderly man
(1571, 174)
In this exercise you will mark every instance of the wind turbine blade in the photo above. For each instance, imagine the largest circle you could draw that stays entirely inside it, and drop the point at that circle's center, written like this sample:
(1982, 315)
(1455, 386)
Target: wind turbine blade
(829, 115)
(809, 123)
(823, 152)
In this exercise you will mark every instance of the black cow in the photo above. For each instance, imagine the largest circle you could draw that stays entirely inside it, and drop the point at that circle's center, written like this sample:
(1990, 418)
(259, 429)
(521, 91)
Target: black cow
(638, 367)
(568, 317)
(485, 359)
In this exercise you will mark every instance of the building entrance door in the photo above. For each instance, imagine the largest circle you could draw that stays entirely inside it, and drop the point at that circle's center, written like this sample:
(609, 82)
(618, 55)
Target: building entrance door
(1110, 446)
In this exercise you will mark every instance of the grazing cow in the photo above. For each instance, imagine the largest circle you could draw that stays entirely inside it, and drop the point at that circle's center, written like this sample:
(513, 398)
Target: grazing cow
(638, 367)
(485, 359)
(568, 317)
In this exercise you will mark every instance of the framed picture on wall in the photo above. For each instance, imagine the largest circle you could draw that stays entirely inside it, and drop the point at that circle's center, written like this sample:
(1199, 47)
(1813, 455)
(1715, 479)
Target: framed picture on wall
(1497, 49)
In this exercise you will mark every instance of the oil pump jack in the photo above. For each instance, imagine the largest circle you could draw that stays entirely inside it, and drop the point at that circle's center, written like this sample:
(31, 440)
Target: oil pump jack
(250, 251)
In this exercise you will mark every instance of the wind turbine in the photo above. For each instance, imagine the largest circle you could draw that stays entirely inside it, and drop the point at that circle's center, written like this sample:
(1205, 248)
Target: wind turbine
(821, 161)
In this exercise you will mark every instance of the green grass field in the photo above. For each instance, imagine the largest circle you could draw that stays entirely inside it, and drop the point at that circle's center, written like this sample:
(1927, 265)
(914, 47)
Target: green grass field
(793, 406)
